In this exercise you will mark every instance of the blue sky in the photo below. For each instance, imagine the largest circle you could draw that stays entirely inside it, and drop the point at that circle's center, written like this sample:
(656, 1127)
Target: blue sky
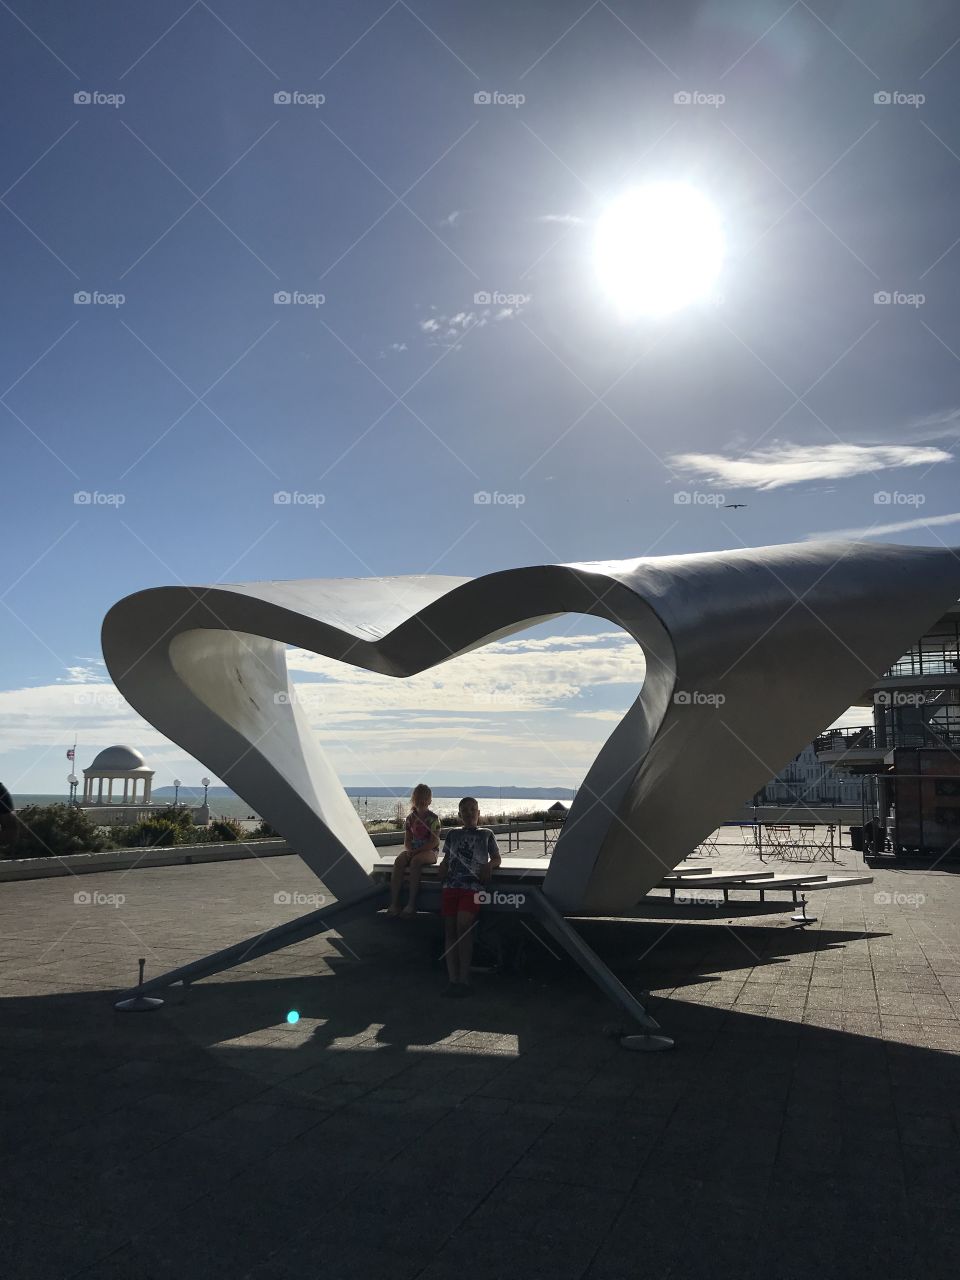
(184, 409)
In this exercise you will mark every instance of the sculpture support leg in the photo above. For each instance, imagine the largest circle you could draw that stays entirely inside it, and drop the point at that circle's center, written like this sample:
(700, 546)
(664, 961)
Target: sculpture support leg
(283, 935)
(563, 932)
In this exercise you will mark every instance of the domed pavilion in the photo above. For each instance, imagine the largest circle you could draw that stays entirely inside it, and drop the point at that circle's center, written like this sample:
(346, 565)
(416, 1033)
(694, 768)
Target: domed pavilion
(111, 767)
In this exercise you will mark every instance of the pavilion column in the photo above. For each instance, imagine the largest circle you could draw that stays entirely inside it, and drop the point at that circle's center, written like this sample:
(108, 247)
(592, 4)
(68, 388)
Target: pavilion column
(99, 791)
(126, 788)
(147, 789)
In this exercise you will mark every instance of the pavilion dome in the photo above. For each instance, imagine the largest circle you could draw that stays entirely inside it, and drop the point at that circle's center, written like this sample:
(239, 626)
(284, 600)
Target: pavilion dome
(118, 757)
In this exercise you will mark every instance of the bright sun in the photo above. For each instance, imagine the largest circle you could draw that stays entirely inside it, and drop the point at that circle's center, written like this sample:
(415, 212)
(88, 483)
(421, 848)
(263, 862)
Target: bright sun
(659, 248)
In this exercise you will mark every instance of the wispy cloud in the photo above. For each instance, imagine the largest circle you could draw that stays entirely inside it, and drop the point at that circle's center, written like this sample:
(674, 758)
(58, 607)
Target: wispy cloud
(443, 329)
(898, 526)
(90, 671)
(452, 218)
(946, 422)
(566, 219)
(787, 464)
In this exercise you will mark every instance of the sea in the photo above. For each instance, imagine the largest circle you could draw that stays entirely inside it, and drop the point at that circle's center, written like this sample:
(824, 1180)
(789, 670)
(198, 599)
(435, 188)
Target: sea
(370, 808)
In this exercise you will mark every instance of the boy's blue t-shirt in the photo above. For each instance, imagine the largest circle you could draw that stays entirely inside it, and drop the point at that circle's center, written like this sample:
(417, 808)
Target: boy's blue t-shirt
(468, 849)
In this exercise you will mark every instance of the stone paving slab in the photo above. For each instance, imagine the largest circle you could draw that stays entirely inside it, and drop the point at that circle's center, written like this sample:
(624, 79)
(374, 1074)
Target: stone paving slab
(806, 1124)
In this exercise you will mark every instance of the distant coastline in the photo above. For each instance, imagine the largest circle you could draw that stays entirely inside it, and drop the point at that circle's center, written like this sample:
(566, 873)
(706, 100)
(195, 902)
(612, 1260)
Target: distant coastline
(445, 790)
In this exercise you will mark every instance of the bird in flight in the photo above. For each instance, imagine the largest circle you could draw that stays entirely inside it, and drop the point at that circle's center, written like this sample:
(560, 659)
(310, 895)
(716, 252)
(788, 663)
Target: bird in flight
(733, 506)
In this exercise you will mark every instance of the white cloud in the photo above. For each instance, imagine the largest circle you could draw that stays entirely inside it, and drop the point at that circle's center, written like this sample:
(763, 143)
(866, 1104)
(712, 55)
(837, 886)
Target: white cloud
(511, 676)
(898, 526)
(853, 718)
(451, 219)
(567, 219)
(774, 467)
(84, 673)
(430, 326)
(485, 712)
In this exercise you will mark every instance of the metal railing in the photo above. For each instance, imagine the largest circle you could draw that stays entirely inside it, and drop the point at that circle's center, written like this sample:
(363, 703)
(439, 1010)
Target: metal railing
(857, 739)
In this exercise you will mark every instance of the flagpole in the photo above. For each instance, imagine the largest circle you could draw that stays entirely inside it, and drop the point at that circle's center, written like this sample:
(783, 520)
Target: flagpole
(73, 780)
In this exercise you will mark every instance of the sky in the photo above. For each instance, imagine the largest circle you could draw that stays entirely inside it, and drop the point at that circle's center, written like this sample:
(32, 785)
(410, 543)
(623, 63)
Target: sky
(287, 286)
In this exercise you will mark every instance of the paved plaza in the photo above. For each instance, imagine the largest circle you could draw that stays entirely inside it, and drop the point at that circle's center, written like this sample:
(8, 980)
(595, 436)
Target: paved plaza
(806, 1125)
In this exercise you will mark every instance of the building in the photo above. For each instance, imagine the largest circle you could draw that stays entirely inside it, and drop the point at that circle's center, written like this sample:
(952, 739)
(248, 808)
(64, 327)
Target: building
(808, 781)
(905, 752)
(117, 789)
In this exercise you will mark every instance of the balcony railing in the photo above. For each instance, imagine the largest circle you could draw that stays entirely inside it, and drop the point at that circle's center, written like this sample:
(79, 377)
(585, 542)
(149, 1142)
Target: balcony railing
(937, 654)
(861, 739)
(915, 736)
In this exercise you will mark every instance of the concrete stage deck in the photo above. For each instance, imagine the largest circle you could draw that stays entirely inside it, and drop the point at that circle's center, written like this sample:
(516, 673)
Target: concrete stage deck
(733, 866)
(805, 1126)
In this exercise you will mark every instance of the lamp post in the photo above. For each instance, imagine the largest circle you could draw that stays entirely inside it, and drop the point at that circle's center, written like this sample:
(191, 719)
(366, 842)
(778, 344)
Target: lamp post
(206, 786)
(73, 780)
(177, 784)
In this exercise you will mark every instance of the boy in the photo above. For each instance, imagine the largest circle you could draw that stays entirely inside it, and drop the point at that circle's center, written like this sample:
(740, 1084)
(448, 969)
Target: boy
(470, 856)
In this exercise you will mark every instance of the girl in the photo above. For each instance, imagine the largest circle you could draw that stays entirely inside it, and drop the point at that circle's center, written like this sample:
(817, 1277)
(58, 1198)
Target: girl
(420, 844)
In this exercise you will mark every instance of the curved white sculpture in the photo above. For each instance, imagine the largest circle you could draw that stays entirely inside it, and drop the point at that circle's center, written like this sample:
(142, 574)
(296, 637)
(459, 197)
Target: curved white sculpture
(749, 655)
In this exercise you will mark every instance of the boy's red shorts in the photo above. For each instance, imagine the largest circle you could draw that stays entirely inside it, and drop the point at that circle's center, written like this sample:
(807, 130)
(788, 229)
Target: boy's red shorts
(454, 900)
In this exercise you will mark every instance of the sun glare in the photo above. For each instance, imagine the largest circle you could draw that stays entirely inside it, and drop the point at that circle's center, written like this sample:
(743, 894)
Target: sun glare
(658, 249)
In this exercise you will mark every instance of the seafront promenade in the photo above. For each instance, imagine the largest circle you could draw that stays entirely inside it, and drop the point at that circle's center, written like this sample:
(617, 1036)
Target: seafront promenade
(805, 1124)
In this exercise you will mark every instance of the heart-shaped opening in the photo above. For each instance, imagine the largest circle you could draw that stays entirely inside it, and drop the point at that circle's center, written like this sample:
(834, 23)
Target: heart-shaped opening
(308, 716)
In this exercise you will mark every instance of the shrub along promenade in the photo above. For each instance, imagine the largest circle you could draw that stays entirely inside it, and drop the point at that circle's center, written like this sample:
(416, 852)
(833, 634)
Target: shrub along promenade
(57, 830)
(56, 844)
